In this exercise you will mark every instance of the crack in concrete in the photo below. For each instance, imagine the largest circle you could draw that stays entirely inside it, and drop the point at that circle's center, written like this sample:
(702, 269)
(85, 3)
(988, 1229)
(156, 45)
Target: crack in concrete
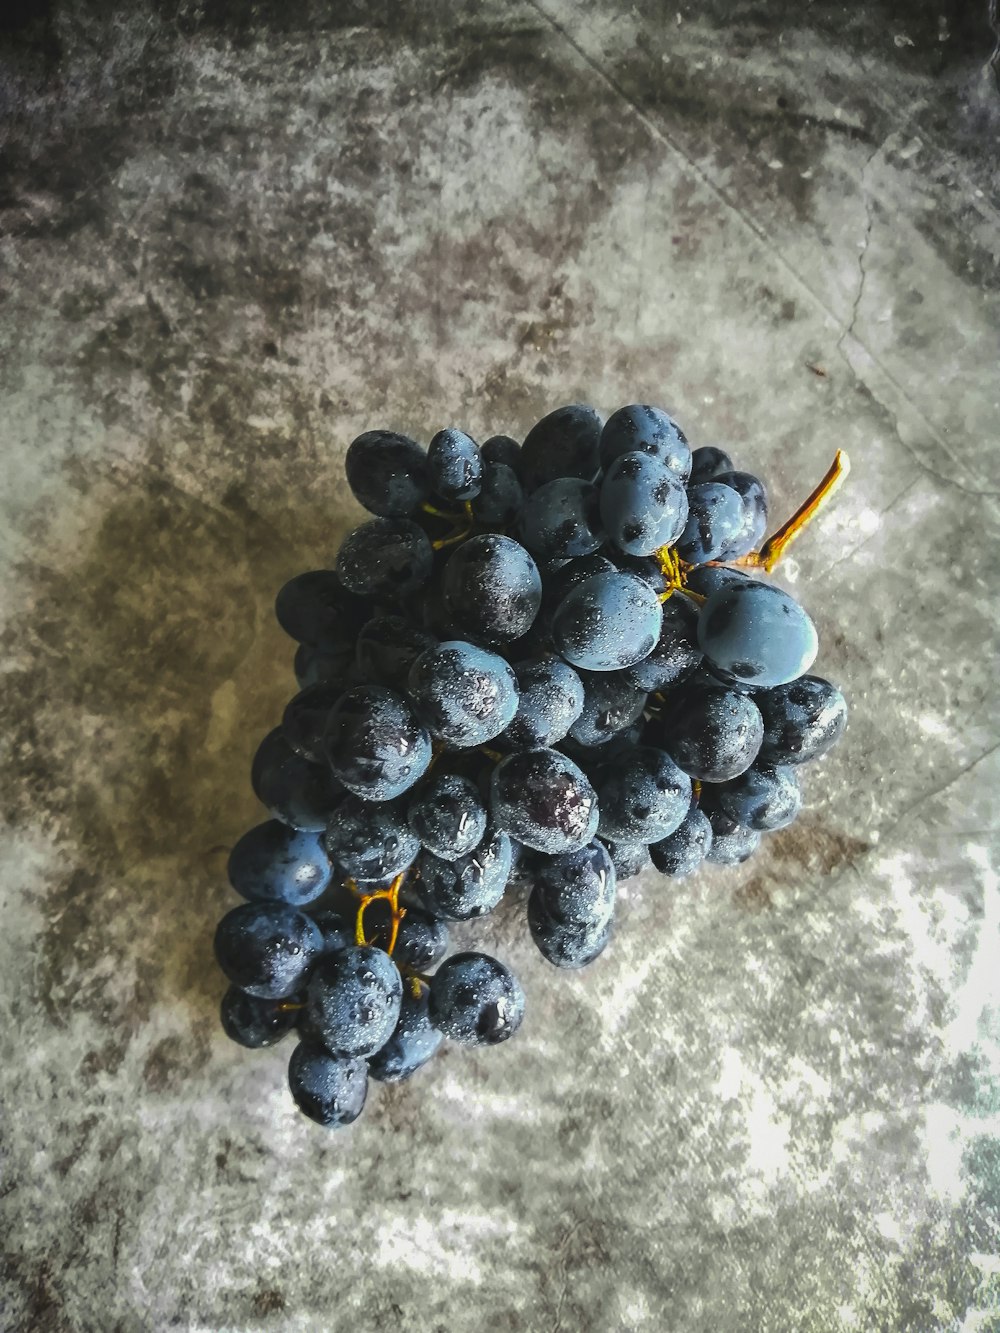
(993, 61)
(848, 330)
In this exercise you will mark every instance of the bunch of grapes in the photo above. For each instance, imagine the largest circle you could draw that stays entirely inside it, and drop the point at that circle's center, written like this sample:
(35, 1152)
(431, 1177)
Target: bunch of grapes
(548, 665)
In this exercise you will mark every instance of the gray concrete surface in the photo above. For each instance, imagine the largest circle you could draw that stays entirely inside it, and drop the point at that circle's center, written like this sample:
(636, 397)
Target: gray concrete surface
(234, 236)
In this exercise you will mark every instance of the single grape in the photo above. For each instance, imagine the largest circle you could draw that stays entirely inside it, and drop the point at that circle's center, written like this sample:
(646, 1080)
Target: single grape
(387, 646)
(253, 1022)
(561, 520)
(643, 796)
(708, 463)
(557, 584)
(500, 498)
(756, 634)
(374, 744)
(628, 858)
(684, 850)
(566, 443)
(751, 491)
(463, 694)
(676, 654)
(492, 588)
(327, 1089)
(544, 800)
(295, 790)
(732, 843)
(468, 886)
(707, 579)
(304, 719)
(475, 1000)
(386, 558)
(337, 930)
(802, 720)
(413, 1042)
(712, 734)
(456, 466)
(577, 888)
(448, 816)
(274, 861)
(315, 665)
(387, 473)
(715, 520)
(267, 948)
(643, 505)
(650, 431)
(567, 945)
(502, 449)
(315, 607)
(370, 840)
(352, 1001)
(609, 622)
(550, 702)
(762, 798)
(422, 941)
(611, 704)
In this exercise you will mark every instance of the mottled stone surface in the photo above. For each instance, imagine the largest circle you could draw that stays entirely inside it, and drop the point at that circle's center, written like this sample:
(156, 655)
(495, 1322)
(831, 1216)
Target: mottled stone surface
(233, 236)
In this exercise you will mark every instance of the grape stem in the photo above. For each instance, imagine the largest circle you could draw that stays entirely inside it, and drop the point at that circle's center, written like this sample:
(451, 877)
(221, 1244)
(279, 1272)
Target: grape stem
(389, 895)
(775, 546)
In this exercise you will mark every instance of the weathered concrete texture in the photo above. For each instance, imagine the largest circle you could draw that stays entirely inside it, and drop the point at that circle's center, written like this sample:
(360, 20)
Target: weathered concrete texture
(232, 237)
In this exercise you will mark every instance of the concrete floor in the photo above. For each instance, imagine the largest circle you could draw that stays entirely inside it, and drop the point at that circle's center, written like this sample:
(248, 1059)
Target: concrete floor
(234, 236)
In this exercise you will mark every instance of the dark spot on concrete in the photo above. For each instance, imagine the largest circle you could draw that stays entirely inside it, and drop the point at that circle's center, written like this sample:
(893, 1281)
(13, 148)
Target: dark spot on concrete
(267, 1301)
(811, 844)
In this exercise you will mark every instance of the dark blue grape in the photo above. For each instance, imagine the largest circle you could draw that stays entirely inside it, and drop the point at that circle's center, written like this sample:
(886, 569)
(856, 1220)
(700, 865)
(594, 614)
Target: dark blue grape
(337, 930)
(676, 654)
(611, 704)
(684, 850)
(628, 858)
(762, 798)
(387, 473)
(609, 622)
(304, 719)
(712, 734)
(715, 520)
(463, 694)
(386, 558)
(732, 843)
(315, 665)
(274, 861)
(756, 634)
(571, 906)
(468, 886)
(295, 790)
(643, 796)
(422, 940)
(315, 607)
(500, 498)
(566, 443)
(544, 800)
(492, 588)
(707, 579)
(502, 449)
(387, 647)
(643, 505)
(374, 744)
(448, 816)
(802, 720)
(267, 948)
(557, 584)
(475, 1000)
(413, 1042)
(329, 1090)
(561, 520)
(370, 840)
(253, 1022)
(551, 701)
(707, 463)
(352, 1001)
(646, 567)
(456, 466)
(751, 491)
(650, 431)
